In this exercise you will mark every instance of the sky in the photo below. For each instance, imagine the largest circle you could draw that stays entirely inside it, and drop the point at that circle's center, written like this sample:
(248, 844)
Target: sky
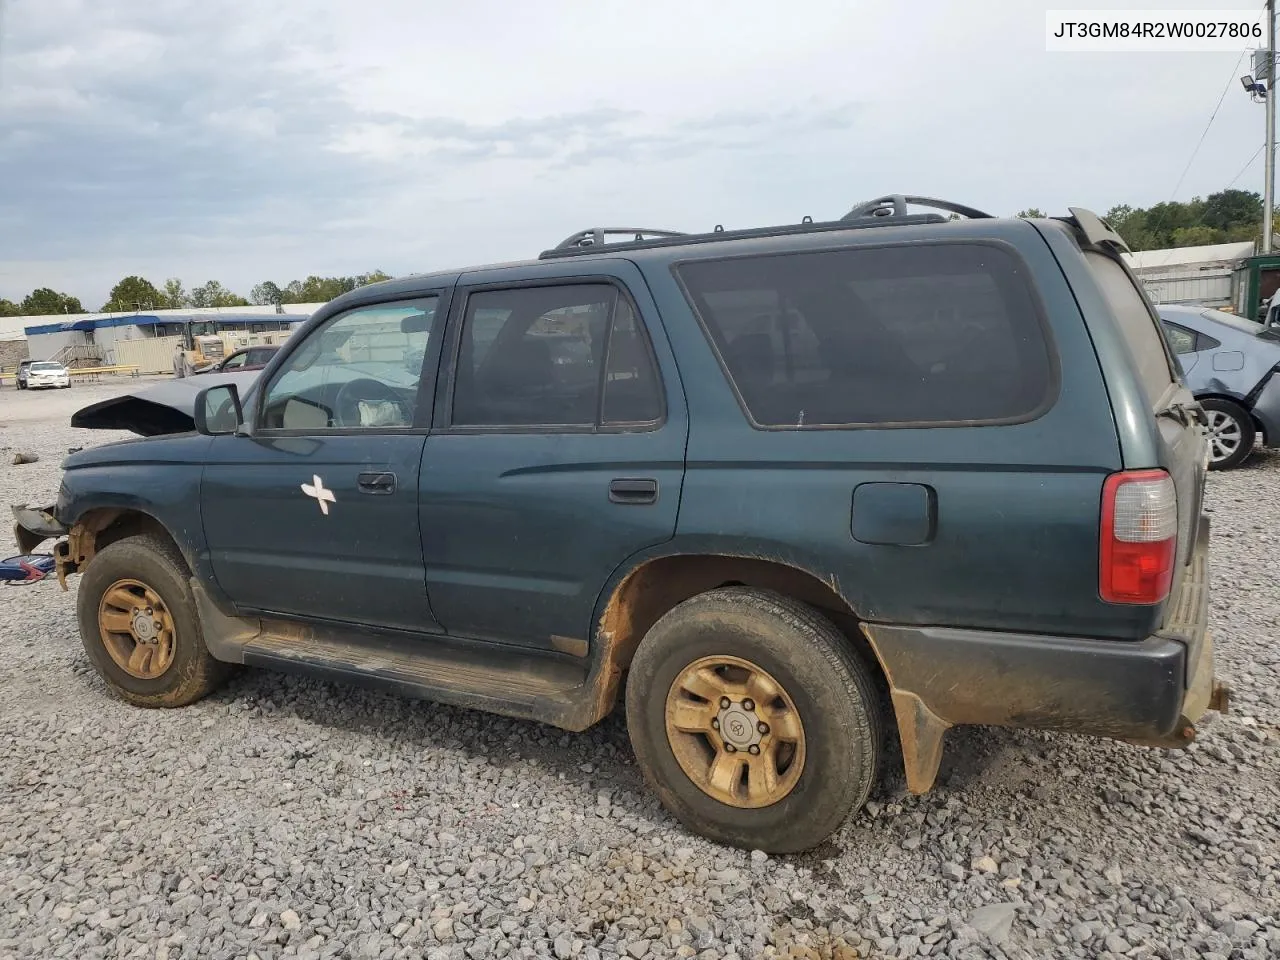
(243, 141)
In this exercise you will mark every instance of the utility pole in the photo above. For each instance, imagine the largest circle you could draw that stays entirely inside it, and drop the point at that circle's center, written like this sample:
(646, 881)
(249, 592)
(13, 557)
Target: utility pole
(1269, 188)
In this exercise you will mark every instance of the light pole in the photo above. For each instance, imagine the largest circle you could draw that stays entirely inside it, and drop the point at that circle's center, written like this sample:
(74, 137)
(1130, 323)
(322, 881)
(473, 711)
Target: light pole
(1268, 190)
(1261, 86)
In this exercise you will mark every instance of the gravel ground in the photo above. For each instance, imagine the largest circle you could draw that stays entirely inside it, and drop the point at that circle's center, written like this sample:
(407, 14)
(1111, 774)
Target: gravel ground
(288, 817)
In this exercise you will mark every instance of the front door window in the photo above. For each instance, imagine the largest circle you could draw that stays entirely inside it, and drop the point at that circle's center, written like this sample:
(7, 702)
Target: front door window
(361, 370)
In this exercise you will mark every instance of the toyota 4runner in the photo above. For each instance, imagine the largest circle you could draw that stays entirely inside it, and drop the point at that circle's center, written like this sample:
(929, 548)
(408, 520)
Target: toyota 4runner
(781, 490)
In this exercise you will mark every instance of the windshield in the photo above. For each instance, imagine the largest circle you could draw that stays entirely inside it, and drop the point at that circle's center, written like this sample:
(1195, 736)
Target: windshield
(200, 328)
(46, 366)
(1234, 321)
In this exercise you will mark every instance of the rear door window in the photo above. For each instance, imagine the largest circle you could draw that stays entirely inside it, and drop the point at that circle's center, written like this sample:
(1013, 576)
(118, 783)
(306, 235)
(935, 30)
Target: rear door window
(920, 334)
(554, 356)
(1137, 323)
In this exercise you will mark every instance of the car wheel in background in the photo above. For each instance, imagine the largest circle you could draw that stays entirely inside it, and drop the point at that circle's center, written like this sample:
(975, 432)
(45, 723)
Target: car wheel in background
(1231, 433)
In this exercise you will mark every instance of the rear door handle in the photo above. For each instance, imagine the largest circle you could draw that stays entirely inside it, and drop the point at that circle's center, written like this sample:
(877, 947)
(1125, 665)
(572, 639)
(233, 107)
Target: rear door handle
(376, 483)
(640, 490)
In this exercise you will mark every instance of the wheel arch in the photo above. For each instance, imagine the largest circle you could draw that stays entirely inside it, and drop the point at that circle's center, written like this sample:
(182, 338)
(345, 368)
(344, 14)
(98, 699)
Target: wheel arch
(101, 526)
(639, 595)
(1240, 402)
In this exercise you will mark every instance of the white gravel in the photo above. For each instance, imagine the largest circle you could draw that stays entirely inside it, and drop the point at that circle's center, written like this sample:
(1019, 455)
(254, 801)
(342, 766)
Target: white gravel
(288, 817)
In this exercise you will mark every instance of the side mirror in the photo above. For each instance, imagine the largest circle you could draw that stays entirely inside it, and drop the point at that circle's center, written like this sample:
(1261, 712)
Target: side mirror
(218, 411)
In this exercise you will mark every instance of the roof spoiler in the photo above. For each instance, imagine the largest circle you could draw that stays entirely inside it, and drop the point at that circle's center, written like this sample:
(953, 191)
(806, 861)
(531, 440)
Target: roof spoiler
(1095, 230)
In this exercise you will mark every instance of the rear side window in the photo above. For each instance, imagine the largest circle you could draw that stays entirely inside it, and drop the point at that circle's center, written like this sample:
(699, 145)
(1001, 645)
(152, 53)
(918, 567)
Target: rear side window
(1181, 340)
(1137, 324)
(919, 334)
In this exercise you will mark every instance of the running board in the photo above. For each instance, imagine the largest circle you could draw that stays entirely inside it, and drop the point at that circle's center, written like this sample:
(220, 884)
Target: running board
(501, 680)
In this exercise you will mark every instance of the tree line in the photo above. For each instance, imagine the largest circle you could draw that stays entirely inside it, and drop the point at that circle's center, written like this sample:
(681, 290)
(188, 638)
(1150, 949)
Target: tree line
(137, 294)
(1224, 217)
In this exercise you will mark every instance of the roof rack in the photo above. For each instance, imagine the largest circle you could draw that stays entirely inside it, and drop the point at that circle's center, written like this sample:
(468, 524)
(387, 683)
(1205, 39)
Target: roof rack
(886, 211)
(595, 236)
(895, 205)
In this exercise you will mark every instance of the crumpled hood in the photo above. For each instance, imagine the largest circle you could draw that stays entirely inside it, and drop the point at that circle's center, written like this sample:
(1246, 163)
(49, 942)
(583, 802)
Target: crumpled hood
(158, 408)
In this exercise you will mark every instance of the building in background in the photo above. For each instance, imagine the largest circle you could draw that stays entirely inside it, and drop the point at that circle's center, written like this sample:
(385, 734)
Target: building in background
(1205, 275)
(148, 340)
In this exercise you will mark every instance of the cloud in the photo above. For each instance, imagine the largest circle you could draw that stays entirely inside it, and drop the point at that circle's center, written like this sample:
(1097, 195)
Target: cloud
(241, 141)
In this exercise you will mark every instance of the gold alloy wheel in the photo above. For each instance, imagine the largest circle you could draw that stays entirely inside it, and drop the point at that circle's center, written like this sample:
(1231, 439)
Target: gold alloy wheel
(735, 732)
(137, 629)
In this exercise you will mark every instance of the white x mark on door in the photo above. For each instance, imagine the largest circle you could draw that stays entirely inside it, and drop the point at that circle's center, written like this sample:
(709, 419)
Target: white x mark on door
(322, 496)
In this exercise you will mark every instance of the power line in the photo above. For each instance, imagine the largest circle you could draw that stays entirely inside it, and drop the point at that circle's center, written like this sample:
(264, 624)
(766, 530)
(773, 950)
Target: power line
(1245, 168)
(1199, 143)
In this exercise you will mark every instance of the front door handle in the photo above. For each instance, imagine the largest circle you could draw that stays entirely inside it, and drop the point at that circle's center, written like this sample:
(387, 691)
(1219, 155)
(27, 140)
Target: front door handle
(637, 490)
(376, 483)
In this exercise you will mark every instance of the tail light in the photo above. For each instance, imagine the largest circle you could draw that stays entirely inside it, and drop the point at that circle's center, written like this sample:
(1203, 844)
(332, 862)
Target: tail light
(1139, 537)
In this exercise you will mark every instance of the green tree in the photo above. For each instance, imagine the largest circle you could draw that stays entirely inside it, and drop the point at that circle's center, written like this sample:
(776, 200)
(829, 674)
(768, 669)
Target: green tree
(1031, 213)
(175, 294)
(214, 294)
(314, 289)
(134, 293)
(45, 302)
(1195, 236)
(9, 309)
(266, 293)
(1232, 208)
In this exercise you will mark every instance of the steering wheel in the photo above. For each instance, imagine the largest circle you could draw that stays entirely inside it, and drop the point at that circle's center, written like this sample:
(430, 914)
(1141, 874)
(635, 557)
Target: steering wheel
(353, 392)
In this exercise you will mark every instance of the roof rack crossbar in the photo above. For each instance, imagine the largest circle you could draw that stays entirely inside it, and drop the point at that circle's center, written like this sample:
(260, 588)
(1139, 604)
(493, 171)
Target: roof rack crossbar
(895, 205)
(595, 236)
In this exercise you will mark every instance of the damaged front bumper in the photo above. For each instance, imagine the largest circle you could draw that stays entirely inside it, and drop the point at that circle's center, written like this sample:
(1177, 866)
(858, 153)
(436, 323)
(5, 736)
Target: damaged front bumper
(33, 527)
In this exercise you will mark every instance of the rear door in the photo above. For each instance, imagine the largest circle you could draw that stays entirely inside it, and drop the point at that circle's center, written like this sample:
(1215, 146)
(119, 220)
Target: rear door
(557, 453)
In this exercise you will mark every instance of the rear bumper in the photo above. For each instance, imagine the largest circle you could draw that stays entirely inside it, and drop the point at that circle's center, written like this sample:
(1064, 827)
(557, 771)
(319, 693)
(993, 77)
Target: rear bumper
(1151, 691)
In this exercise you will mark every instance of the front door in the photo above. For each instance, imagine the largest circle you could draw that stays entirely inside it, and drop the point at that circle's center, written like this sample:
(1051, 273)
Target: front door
(315, 513)
(558, 454)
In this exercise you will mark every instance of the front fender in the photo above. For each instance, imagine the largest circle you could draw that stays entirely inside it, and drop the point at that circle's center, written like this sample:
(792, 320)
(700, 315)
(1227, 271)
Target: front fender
(170, 497)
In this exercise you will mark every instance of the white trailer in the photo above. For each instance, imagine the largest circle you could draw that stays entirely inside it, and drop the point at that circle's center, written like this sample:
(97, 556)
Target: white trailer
(1195, 275)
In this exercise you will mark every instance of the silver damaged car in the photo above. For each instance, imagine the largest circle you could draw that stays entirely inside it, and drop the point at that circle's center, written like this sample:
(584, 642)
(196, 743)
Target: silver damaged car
(1231, 365)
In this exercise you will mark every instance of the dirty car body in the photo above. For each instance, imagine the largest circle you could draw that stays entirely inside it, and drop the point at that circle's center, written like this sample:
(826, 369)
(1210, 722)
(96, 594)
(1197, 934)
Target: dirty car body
(959, 446)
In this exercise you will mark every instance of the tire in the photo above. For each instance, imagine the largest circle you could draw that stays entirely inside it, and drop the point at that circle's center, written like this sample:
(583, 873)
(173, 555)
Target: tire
(822, 680)
(1231, 433)
(156, 565)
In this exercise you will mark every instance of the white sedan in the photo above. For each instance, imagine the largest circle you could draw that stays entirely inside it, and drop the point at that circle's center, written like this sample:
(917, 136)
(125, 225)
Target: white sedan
(46, 373)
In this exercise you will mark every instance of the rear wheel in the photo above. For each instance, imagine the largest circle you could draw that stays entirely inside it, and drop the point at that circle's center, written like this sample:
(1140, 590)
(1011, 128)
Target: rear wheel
(1231, 433)
(139, 625)
(753, 720)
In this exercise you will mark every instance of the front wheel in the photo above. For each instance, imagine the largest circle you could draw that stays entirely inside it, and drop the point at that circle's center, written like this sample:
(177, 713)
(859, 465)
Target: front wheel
(140, 628)
(753, 720)
(1231, 433)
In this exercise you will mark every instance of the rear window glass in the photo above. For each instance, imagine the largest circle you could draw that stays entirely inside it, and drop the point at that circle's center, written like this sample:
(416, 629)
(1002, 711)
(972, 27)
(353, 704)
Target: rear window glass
(1137, 324)
(943, 333)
